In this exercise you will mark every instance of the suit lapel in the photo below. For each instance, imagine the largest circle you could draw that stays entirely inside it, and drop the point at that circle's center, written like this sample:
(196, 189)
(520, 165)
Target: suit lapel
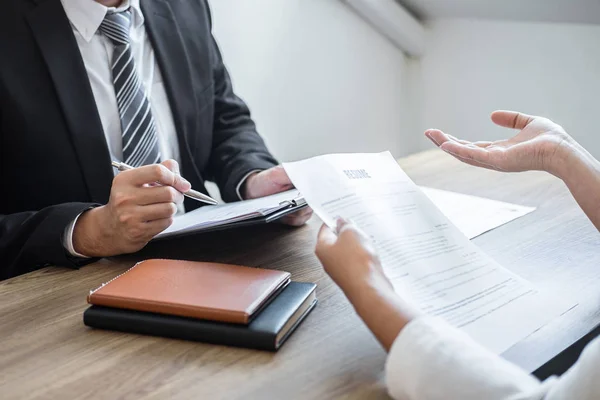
(167, 41)
(54, 35)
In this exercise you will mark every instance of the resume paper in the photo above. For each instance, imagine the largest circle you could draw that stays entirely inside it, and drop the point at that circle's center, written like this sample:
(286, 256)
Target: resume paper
(428, 260)
(473, 215)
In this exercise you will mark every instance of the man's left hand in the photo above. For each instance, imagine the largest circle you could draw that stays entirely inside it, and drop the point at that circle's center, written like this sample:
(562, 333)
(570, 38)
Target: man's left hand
(271, 181)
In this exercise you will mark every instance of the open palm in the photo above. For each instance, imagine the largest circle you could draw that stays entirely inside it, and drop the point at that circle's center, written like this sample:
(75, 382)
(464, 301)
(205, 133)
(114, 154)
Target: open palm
(533, 148)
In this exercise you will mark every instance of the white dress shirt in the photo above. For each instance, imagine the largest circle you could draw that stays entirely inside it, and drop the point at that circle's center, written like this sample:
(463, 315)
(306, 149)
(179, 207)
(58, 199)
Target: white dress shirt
(97, 50)
(431, 360)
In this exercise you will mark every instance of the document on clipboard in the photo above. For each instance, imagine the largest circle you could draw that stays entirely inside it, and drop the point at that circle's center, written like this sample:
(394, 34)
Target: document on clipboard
(231, 215)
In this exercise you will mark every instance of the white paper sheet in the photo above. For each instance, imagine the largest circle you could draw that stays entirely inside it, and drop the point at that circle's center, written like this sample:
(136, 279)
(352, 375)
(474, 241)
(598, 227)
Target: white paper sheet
(429, 261)
(473, 215)
(210, 216)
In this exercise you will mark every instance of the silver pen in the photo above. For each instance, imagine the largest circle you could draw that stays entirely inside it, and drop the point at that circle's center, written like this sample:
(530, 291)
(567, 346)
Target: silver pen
(192, 194)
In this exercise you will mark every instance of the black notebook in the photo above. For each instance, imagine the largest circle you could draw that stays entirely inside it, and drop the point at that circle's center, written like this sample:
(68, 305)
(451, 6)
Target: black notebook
(268, 331)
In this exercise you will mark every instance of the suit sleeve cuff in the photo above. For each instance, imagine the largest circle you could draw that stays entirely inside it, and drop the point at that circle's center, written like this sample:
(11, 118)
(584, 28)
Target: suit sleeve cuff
(242, 181)
(428, 350)
(68, 239)
(238, 173)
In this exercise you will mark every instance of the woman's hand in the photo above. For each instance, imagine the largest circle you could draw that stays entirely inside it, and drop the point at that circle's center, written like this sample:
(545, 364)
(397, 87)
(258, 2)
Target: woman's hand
(351, 261)
(540, 145)
(349, 258)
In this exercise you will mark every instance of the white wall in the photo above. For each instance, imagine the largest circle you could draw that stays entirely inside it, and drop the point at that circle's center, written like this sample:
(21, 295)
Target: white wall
(474, 67)
(317, 78)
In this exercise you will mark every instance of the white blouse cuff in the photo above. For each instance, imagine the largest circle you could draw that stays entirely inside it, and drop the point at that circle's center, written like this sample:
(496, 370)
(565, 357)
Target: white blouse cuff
(431, 360)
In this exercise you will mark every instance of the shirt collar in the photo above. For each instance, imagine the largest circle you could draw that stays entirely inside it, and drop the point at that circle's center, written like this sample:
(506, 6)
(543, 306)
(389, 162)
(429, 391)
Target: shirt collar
(87, 15)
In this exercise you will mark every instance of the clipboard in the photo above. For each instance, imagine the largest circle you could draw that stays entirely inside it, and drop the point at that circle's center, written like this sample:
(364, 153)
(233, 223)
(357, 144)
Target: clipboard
(232, 215)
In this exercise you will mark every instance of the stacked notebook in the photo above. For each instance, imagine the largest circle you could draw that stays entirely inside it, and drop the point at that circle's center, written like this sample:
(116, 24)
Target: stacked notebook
(206, 302)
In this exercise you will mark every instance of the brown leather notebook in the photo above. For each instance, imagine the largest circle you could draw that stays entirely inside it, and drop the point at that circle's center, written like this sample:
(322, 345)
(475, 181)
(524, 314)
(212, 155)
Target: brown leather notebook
(216, 292)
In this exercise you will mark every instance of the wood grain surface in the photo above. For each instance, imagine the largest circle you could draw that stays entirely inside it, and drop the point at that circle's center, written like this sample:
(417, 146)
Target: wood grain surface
(47, 353)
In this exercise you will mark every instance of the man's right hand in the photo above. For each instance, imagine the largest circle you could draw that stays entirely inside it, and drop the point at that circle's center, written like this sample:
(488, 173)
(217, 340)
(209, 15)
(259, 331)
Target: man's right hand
(137, 210)
(540, 145)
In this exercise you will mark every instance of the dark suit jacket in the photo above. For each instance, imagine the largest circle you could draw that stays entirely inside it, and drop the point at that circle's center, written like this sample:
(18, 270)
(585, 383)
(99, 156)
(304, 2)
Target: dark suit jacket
(54, 159)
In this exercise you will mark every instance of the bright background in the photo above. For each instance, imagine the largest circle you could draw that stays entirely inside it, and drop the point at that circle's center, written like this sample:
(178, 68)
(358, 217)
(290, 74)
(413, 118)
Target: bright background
(319, 78)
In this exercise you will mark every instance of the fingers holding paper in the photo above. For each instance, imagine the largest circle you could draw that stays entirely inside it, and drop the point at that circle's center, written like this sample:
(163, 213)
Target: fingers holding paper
(539, 145)
(351, 261)
(348, 255)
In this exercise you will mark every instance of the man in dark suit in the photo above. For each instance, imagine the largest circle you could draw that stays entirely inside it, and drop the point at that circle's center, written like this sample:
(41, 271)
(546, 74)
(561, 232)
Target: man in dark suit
(140, 81)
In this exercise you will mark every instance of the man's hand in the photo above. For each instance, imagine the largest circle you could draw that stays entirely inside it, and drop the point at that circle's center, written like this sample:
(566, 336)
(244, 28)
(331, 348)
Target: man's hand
(137, 210)
(540, 145)
(271, 181)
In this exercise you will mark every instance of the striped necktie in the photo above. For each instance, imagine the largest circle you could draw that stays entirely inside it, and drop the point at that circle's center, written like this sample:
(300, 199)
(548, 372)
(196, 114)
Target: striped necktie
(140, 139)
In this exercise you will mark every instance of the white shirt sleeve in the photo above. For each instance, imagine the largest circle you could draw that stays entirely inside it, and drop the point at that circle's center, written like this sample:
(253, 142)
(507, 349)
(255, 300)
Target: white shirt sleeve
(68, 239)
(431, 360)
(239, 186)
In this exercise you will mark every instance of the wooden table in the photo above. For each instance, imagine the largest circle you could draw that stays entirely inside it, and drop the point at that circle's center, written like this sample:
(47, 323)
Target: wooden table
(46, 351)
